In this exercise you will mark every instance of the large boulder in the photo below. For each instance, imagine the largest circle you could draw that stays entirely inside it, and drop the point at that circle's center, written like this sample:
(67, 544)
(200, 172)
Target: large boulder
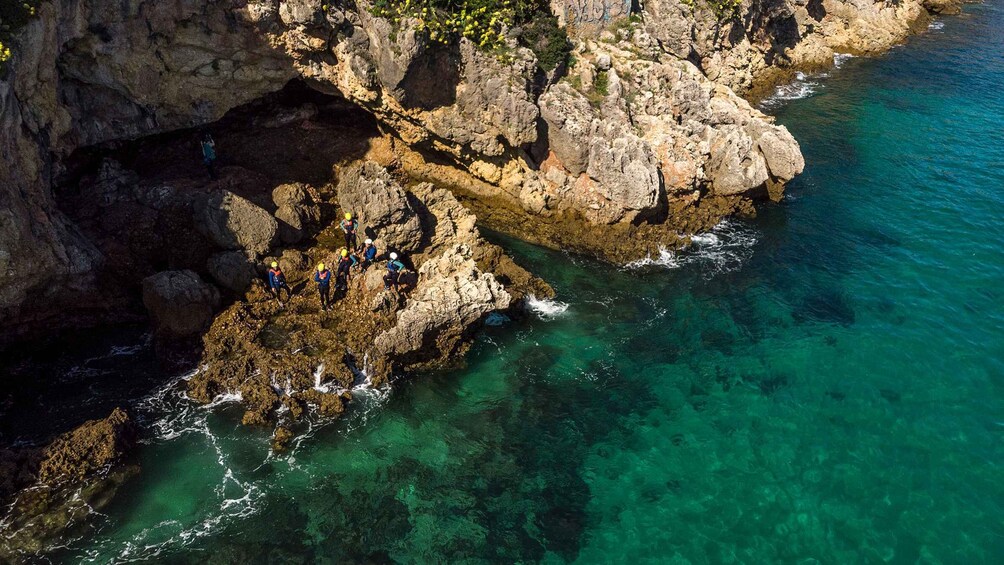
(380, 205)
(232, 270)
(180, 303)
(233, 222)
(298, 208)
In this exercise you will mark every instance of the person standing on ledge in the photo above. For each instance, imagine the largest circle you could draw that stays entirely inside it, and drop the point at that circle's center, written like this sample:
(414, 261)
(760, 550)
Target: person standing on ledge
(343, 273)
(277, 282)
(394, 268)
(349, 227)
(209, 154)
(323, 279)
(369, 254)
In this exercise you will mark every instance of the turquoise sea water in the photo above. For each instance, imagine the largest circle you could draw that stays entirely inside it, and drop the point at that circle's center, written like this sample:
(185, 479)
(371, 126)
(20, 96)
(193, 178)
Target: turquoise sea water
(824, 384)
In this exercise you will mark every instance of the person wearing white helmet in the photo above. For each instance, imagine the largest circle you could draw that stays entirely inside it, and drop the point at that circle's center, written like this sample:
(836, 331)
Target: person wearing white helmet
(369, 253)
(394, 268)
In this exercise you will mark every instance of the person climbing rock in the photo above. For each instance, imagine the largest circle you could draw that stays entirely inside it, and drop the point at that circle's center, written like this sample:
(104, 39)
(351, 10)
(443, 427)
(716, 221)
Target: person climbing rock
(369, 254)
(349, 228)
(394, 269)
(209, 154)
(343, 273)
(323, 279)
(277, 282)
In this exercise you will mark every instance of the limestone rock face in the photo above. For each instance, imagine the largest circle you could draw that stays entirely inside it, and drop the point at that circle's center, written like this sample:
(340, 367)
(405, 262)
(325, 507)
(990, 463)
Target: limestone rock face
(380, 205)
(180, 302)
(298, 209)
(657, 130)
(453, 295)
(233, 222)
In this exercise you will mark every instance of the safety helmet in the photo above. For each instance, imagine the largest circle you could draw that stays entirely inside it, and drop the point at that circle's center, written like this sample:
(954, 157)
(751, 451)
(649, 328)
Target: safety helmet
(345, 252)
(369, 241)
(320, 266)
(348, 216)
(275, 264)
(393, 256)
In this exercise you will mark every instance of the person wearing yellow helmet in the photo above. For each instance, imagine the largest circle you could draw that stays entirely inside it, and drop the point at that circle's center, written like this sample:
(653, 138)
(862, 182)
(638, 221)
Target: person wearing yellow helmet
(349, 227)
(277, 282)
(344, 272)
(323, 279)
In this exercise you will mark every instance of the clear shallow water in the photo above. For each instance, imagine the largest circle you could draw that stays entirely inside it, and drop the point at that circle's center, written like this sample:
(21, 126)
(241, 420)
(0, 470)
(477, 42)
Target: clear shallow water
(823, 384)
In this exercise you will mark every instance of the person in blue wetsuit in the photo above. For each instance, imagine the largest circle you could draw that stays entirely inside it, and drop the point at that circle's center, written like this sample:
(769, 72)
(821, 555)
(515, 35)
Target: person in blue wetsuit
(209, 154)
(349, 227)
(369, 254)
(344, 272)
(277, 282)
(394, 268)
(323, 279)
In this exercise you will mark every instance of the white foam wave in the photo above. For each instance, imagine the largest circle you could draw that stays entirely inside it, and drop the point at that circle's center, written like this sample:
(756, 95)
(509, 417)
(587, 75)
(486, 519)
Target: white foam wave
(840, 58)
(724, 249)
(936, 25)
(546, 308)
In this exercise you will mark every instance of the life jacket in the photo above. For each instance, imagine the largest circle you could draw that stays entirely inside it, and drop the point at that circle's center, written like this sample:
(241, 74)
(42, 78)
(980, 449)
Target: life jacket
(393, 266)
(370, 253)
(276, 275)
(325, 276)
(349, 225)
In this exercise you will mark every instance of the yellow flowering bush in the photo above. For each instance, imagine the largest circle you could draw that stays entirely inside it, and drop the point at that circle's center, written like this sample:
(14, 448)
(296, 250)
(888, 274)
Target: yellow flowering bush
(485, 23)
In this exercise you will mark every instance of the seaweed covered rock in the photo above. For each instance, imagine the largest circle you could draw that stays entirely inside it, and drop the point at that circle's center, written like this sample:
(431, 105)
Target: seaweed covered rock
(87, 449)
(74, 476)
(285, 360)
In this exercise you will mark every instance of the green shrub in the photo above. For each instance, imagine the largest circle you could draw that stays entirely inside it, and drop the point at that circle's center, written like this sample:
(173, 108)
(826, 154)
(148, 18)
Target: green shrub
(485, 23)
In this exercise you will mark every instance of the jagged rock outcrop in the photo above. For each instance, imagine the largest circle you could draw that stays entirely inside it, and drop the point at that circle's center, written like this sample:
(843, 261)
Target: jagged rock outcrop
(298, 356)
(455, 294)
(659, 149)
(298, 210)
(380, 205)
(74, 475)
(180, 302)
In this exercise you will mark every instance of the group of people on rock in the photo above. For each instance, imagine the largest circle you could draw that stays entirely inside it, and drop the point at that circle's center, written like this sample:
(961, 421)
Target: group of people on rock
(349, 257)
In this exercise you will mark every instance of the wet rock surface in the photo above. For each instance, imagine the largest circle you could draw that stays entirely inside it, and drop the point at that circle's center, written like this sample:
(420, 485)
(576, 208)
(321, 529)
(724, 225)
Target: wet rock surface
(76, 474)
(284, 360)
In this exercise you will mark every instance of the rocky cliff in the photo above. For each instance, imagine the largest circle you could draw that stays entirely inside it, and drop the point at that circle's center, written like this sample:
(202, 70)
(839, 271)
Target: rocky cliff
(642, 135)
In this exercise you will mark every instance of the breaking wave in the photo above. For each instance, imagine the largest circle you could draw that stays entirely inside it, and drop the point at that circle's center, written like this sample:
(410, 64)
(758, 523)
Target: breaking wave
(802, 87)
(840, 58)
(723, 249)
(936, 25)
(546, 308)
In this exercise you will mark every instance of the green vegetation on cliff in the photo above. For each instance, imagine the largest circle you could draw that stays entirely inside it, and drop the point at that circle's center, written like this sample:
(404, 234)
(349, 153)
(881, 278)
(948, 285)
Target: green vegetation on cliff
(486, 23)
